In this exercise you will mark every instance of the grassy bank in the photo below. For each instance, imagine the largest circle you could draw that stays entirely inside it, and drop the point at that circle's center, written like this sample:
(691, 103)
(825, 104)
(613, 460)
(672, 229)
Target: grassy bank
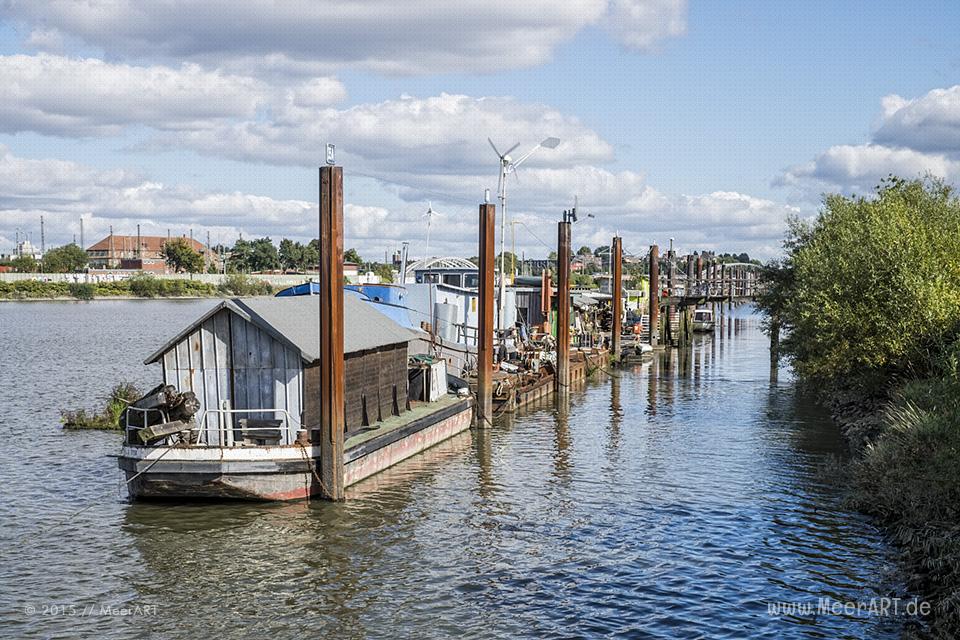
(869, 300)
(136, 287)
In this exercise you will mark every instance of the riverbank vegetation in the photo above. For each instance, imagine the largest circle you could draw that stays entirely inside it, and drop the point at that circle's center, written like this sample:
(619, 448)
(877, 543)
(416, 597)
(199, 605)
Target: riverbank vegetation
(138, 286)
(108, 418)
(868, 298)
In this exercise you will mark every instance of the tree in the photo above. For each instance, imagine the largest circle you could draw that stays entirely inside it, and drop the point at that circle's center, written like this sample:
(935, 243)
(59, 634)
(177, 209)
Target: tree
(66, 259)
(874, 285)
(311, 255)
(291, 254)
(256, 255)
(181, 256)
(351, 255)
(24, 264)
(552, 256)
(383, 271)
(584, 251)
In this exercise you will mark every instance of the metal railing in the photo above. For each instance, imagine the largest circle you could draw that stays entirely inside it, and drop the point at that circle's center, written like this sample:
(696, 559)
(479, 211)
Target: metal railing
(225, 432)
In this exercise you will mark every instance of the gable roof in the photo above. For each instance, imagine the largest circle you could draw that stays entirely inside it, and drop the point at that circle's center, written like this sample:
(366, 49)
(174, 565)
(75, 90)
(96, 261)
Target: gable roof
(295, 321)
(152, 244)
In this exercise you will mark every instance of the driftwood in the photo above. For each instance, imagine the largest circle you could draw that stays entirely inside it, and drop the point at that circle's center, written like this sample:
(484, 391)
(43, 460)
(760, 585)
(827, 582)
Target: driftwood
(157, 431)
(160, 410)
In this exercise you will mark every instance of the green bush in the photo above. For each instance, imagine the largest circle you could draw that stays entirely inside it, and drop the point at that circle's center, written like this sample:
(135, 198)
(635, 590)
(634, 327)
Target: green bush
(909, 477)
(81, 290)
(869, 298)
(38, 289)
(109, 417)
(237, 284)
(875, 282)
(144, 285)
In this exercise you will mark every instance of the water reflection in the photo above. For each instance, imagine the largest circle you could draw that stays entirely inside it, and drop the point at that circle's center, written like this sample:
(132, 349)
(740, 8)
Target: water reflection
(676, 500)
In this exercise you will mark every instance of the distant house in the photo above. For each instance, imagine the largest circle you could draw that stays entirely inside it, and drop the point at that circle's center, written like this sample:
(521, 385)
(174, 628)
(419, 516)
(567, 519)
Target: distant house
(124, 252)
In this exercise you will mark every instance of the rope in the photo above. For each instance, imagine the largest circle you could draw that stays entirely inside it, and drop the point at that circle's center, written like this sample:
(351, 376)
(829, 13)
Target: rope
(313, 469)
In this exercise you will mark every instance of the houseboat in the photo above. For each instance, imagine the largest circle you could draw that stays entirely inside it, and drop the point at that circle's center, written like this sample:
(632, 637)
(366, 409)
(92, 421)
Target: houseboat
(703, 320)
(236, 415)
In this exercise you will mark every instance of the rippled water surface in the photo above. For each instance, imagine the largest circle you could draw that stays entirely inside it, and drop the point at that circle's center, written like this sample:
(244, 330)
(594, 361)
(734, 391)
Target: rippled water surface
(678, 500)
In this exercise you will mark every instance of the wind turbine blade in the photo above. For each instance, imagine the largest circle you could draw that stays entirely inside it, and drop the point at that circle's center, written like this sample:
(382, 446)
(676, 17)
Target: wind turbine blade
(495, 148)
(500, 182)
(515, 163)
(511, 149)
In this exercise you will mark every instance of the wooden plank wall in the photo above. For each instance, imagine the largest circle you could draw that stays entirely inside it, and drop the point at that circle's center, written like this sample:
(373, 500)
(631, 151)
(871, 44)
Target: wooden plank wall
(267, 374)
(201, 363)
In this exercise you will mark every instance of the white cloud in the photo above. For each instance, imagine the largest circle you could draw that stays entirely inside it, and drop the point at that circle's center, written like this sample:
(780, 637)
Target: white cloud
(860, 168)
(643, 24)
(440, 138)
(913, 138)
(49, 40)
(57, 95)
(380, 35)
(63, 192)
(928, 123)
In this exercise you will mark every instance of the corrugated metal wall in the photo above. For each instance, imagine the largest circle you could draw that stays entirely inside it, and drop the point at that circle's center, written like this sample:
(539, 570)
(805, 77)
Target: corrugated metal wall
(266, 374)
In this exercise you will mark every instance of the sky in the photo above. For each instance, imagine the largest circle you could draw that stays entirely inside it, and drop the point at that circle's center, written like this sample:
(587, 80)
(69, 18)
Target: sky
(707, 122)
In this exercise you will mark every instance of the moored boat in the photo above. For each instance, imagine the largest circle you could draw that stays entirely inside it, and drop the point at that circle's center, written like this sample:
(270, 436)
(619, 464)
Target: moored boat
(237, 414)
(703, 320)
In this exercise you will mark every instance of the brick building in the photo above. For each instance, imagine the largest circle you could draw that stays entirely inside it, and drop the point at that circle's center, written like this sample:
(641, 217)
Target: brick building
(145, 252)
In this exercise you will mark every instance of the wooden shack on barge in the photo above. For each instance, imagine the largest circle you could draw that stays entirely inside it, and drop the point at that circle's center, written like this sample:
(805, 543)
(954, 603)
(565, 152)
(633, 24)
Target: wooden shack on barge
(256, 359)
(253, 366)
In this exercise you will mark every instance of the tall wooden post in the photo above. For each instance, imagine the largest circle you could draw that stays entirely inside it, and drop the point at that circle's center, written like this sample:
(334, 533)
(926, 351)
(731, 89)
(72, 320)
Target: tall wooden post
(617, 272)
(667, 334)
(563, 306)
(654, 295)
(699, 273)
(331, 332)
(485, 325)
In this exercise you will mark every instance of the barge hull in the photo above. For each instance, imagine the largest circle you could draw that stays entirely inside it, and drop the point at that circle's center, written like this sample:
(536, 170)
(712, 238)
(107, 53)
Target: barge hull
(269, 473)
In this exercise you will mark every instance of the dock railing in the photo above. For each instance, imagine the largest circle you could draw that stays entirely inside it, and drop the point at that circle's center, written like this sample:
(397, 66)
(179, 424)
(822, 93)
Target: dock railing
(224, 431)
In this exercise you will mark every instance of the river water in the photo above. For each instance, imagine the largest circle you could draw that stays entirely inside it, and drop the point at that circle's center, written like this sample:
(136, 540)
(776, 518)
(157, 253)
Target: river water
(684, 498)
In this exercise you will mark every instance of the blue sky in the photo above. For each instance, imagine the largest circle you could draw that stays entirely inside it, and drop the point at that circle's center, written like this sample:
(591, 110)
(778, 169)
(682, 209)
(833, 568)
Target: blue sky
(709, 122)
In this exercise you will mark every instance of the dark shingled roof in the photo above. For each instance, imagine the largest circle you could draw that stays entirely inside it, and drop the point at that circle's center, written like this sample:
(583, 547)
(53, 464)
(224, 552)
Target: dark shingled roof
(296, 321)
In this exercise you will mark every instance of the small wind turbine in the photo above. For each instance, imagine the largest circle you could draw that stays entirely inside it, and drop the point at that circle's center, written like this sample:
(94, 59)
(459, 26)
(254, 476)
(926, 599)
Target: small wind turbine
(430, 213)
(509, 165)
(429, 216)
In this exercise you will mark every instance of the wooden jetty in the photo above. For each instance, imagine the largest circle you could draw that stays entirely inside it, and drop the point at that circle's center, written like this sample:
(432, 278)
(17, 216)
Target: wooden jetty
(704, 283)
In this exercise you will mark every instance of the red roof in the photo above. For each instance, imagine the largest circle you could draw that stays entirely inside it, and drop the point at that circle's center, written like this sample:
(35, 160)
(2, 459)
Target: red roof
(152, 244)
